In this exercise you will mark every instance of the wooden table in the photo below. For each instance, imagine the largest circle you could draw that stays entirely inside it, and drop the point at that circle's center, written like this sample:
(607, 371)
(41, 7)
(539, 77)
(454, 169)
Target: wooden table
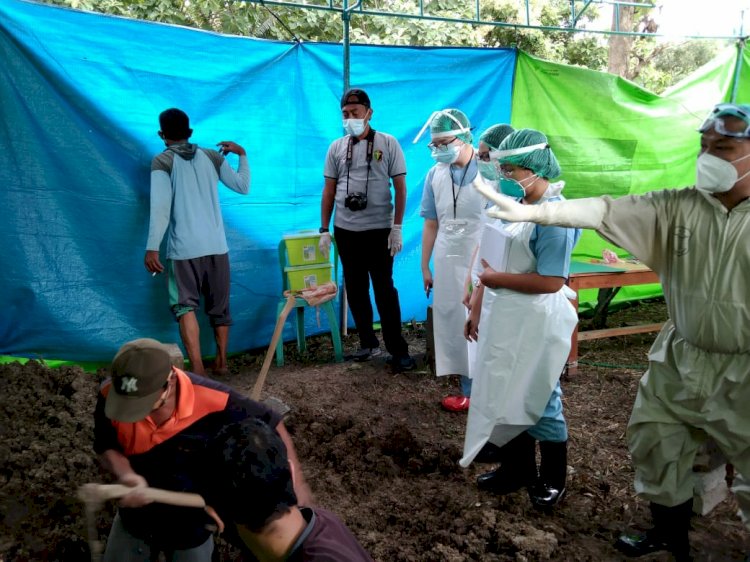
(601, 276)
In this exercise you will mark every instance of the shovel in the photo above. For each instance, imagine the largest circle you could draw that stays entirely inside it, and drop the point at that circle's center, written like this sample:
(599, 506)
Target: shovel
(95, 495)
(314, 296)
(290, 302)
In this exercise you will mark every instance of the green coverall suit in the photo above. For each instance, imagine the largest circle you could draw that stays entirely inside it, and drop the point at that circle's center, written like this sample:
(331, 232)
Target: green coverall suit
(698, 381)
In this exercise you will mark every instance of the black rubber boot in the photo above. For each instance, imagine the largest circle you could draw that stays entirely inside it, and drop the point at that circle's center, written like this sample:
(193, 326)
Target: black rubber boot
(517, 468)
(670, 533)
(489, 454)
(553, 473)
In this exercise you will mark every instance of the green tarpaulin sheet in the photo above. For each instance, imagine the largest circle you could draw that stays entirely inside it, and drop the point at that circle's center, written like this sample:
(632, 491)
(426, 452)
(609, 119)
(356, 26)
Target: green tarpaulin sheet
(613, 137)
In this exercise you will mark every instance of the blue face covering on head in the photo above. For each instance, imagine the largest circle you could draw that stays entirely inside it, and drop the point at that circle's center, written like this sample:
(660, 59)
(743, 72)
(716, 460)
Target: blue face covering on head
(512, 188)
(488, 170)
(447, 155)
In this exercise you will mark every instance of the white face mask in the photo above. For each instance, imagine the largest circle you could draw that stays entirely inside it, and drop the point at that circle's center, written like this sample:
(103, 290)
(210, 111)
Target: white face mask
(354, 127)
(715, 175)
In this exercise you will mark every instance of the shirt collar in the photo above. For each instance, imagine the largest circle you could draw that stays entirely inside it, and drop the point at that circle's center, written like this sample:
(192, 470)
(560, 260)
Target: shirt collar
(310, 517)
(185, 395)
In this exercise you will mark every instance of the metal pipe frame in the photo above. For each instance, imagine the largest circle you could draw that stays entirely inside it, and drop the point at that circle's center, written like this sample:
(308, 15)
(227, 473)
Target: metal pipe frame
(359, 9)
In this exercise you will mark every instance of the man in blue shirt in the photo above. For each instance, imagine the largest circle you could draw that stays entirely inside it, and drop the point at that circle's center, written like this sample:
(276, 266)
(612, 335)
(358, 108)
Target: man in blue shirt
(185, 206)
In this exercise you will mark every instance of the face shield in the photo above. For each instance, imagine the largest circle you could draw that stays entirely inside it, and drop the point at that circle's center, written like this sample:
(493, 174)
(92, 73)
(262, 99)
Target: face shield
(459, 130)
(500, 154)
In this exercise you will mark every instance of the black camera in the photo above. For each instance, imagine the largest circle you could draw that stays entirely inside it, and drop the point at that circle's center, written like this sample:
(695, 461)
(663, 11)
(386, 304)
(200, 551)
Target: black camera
(356, 201)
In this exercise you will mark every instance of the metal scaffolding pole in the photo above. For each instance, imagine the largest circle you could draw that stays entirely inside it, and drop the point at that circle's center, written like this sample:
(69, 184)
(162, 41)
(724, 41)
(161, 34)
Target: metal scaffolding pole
(737, 70)
(421, 14)
(346, 15)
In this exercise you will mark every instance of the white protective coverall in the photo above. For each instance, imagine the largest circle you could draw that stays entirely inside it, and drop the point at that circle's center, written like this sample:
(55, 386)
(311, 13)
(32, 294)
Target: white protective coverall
(458, 234)
(524, 341)
(699, 366)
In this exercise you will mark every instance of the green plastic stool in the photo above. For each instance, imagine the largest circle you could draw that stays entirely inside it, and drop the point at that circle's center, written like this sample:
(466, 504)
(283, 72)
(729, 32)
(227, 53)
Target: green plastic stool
(299, 307)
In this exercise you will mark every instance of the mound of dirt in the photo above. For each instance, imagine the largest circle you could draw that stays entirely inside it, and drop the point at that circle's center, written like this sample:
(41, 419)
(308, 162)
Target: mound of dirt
(376, 448)
(46, 430)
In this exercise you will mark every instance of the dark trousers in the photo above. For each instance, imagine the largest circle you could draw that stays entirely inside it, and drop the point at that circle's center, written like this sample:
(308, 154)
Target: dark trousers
(365, 256)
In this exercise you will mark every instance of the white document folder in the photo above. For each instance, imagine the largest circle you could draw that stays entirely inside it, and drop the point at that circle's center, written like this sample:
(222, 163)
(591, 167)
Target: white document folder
(493, 248)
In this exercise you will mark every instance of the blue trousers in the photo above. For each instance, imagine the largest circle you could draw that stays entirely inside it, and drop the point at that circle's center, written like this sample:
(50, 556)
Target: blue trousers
(124, 547)
(552, 425)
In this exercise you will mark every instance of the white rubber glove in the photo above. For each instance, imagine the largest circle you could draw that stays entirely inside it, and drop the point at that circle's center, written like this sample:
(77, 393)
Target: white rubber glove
(577, 213)
(324, 244)
(395, 241)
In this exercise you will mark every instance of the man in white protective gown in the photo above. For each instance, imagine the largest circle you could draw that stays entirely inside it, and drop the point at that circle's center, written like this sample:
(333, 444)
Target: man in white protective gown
(697, 385)
(523, 321)
(453, 215)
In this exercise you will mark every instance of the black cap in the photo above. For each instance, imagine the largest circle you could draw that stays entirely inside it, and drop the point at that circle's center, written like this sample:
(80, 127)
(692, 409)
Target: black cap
(355, 95)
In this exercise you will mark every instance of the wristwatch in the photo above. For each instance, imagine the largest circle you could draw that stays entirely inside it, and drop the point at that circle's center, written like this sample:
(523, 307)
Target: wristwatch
(322, 229)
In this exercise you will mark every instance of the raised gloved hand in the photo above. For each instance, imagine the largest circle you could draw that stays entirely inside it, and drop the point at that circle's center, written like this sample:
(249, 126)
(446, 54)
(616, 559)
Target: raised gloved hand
(578, 213)
(395, 241)
(506, 208)
(324, 244)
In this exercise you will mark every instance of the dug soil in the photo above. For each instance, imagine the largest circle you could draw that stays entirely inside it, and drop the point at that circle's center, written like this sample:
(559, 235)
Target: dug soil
(376, 448)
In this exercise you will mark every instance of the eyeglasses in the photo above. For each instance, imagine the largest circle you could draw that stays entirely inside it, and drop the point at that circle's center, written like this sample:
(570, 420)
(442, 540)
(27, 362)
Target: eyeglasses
(484, 156)
(442, 144)
(715, 120)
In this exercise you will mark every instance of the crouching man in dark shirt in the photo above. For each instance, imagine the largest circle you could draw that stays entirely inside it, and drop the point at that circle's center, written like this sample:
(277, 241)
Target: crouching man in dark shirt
(154, 426)
(252, 493)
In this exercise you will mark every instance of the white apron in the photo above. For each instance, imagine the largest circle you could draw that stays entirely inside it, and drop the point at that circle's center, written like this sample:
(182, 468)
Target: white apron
(524, 341)
(460, 213)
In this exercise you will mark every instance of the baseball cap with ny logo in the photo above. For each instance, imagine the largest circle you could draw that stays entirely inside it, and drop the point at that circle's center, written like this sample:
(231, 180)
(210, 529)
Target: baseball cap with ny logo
(139, 371)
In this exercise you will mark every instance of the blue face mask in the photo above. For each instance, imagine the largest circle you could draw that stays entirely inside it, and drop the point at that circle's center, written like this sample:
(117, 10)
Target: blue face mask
(355, 127)
(512, 188)
(488, 170)
(446, 154)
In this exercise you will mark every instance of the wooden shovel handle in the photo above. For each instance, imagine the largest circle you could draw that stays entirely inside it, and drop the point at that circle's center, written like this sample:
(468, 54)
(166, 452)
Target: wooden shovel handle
(104, 492)
(290, 302)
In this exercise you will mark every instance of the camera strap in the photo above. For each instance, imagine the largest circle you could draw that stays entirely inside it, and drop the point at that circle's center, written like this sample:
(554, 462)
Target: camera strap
(370, 138)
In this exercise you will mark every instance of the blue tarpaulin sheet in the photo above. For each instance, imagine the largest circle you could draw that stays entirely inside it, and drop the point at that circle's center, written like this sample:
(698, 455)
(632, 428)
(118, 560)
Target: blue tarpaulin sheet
(81, 94)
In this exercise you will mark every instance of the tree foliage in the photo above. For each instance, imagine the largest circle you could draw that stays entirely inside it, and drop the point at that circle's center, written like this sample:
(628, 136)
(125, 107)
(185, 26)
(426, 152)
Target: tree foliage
(646, 61)
(653, 65)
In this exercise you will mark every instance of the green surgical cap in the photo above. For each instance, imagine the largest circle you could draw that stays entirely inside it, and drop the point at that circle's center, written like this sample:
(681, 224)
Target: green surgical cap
(541, 161)
(442, 123)
(494, 135)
